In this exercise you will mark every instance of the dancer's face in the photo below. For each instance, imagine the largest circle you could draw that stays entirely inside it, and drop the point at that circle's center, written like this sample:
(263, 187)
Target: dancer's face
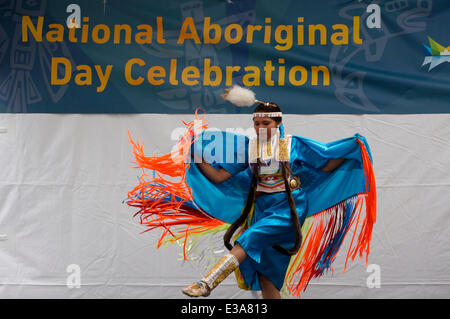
(264, 126)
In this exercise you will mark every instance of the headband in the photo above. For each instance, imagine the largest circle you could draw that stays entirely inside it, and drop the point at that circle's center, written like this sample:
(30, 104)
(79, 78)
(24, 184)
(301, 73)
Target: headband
(269, 114)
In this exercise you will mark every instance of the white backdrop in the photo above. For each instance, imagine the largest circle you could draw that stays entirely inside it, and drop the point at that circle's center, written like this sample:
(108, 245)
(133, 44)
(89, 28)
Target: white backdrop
(63, 179)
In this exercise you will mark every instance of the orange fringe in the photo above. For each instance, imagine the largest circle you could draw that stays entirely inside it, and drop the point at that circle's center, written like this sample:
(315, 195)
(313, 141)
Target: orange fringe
(161, 201)
(365, 235)
(326, 225)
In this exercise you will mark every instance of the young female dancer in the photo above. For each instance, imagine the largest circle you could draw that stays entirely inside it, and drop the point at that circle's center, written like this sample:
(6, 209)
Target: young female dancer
(291, 199)
(272, 224)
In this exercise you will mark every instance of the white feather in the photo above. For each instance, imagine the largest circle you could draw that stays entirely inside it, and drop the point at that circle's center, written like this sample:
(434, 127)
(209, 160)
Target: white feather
(240, 96)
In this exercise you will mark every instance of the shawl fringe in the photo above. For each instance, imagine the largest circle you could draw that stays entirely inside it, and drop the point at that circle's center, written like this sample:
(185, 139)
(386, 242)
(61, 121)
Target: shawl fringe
(325, 231)
(162, 199)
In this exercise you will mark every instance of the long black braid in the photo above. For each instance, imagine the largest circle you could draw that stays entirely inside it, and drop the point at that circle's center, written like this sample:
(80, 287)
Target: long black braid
(294, 216)
(248, 205)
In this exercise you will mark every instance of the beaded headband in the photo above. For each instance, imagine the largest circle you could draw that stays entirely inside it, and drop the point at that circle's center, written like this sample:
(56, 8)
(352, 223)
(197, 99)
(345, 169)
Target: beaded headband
(268, 114)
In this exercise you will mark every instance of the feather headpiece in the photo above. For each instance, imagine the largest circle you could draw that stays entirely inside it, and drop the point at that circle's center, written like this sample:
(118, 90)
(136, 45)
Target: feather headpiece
(244, 97)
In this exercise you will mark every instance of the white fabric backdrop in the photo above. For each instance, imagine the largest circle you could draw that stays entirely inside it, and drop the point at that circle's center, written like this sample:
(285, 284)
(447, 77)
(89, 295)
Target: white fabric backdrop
(63, 179)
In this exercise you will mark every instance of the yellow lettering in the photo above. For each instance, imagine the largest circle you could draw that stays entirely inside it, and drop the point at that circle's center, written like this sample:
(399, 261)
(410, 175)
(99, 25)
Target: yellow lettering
(356, 37)
(281, 72)
(128, 68)
(300, 32)
(173, 72)
(315, 74)
(340, 37)
(267, 30)
(156, 72)
(189, 73)
(72, 37)
(207, 32)
(103, 77)
(251, 79)
(27, 24)
(238, 35)
(83, 78)
(303, 77)
(207, 74)
(312, 35)
(287, 40)
(118, 30)
(106, 33)
(159, 31)
(188, 24)
(229, 76)
(56, 63)
(56, 35)
(250, 30)
(85, 30)
(268, 69)
(145, 36)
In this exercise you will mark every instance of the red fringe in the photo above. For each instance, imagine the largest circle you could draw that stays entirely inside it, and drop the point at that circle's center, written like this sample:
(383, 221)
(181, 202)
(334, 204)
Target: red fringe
(161, 201)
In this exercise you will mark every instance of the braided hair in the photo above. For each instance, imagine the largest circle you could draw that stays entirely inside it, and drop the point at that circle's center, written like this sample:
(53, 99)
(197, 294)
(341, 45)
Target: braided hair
(268, 107)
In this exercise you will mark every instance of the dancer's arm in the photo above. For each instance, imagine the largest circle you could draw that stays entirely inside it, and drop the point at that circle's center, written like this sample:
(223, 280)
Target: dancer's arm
(214, 175)
(333, 164)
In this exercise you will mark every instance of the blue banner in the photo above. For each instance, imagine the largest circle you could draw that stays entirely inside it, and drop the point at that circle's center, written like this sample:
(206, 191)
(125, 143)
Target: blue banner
(310, 57)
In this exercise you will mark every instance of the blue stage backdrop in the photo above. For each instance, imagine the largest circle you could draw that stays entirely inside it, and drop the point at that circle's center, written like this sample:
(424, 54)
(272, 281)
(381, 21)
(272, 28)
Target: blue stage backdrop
(310, 57)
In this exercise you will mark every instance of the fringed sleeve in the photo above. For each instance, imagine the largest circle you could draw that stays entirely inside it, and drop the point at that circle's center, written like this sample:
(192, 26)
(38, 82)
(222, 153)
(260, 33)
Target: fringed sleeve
(163, 197)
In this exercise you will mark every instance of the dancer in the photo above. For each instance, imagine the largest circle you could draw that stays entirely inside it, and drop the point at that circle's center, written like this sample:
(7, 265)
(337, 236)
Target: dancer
(287, 180)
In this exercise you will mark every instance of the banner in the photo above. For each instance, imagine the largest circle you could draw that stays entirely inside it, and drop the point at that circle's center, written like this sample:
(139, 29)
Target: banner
(171, 57)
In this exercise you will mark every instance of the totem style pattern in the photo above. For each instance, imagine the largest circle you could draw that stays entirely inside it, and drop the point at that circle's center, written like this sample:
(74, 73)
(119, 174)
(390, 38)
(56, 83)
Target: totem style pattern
(28, 78)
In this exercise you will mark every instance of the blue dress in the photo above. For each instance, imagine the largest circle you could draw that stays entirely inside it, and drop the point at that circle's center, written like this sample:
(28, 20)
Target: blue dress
(271, 223)
(321, 194)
